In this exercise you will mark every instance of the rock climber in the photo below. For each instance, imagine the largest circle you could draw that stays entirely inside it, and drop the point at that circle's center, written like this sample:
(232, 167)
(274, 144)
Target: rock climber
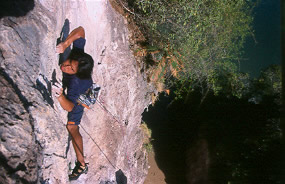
(77, 70)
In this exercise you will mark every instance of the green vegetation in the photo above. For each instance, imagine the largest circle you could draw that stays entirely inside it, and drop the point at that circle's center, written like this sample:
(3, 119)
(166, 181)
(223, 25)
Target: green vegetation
(268, 84)
(197, 40)
(194, 47)
(147, 137)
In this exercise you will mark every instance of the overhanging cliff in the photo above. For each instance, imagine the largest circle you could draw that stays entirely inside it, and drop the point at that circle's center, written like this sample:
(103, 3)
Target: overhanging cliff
(35, 146)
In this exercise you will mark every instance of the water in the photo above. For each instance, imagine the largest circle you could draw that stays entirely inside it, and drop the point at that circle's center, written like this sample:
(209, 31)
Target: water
(267, 50)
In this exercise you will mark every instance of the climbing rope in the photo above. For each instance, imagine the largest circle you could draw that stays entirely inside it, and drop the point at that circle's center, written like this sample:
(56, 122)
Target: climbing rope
(115, 167)
(113, 116)
(99, 148)
(99, 102)
(106, 110)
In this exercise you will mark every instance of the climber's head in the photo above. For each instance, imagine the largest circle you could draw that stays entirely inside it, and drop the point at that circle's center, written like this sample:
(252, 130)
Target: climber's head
(78, 63)
(69, 66)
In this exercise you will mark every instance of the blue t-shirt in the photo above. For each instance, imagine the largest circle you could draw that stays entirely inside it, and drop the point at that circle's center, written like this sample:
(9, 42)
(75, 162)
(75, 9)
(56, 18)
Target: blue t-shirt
(75, 87)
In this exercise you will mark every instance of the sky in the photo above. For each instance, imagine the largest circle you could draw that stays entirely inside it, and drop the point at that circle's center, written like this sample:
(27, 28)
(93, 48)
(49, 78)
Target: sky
(267, 49)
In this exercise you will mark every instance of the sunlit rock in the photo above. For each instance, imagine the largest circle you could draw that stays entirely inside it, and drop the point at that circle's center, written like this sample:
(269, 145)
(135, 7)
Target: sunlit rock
(35, 147)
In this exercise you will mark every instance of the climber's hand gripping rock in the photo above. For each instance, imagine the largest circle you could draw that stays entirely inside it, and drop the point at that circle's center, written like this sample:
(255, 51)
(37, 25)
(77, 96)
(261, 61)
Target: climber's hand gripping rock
(57, 89)
(60, 48)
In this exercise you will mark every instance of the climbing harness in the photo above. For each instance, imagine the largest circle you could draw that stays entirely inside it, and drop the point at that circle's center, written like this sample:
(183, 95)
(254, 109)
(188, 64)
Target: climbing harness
(90, 96)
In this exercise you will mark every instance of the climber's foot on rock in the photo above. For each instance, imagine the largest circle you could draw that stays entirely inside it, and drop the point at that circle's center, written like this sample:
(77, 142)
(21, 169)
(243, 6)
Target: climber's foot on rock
(78, 170)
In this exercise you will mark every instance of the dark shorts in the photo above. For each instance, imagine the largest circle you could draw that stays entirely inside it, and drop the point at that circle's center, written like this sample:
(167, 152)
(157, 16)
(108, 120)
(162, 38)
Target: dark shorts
(75, 87)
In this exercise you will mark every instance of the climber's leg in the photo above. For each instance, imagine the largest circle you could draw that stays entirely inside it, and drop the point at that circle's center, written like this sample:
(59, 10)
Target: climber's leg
(80, 166)
(76, 142)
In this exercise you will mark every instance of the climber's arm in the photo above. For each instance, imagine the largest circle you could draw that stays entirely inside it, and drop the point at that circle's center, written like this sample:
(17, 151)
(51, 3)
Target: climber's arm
(74, 35)
(65, 103)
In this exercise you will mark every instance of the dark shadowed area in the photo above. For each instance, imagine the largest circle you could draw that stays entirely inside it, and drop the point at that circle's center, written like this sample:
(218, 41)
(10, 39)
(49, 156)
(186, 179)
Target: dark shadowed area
(15, 8)
(169, 141)
(225, 140)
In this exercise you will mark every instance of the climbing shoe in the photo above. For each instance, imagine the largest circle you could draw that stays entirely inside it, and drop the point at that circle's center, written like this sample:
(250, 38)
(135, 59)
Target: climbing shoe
(78, 170)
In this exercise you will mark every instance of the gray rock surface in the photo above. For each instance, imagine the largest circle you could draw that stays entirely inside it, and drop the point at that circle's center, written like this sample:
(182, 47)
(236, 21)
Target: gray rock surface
(35, 147)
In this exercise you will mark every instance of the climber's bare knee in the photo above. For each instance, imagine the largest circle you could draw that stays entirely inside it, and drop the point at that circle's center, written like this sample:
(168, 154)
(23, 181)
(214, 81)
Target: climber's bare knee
(71, 127)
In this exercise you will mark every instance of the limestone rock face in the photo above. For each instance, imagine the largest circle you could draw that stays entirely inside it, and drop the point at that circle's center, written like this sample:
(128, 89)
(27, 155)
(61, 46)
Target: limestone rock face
(35, 146)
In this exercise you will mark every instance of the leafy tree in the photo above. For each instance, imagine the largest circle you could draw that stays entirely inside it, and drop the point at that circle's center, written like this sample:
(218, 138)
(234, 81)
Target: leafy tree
(195, 44)
(267, 86)
(197, 40)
